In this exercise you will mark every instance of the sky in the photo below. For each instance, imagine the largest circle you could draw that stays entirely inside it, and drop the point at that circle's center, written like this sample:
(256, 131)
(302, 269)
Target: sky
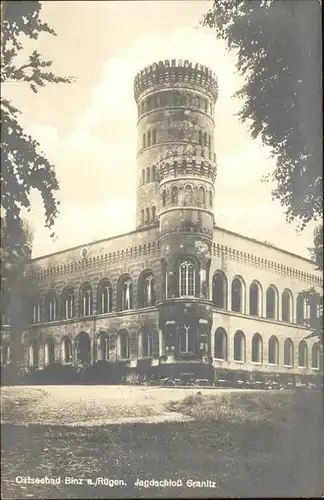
(87, 129)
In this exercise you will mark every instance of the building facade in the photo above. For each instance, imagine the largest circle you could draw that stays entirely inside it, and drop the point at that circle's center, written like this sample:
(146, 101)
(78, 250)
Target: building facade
(179, 296)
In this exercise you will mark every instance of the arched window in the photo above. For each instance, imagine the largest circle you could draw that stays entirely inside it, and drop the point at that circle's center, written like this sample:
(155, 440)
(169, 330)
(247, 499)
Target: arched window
(200, 137)
(143, 176)
(66, 350)
(186, 339)
(220, 344)
(154, 136)
(188, 195)
(316, 356)
(164, 269)
(198, 102)
(103, 347)
(164, 194)
(211, 198)
(302, 354)
(187, 280)
(51, 306)
(68, 303)
(153, 176)
(148, 138)
(153, 213)
(5, 354)
(34, 354)
(255, 300)
(174, 195)
(237, 295)
(205, 105)
(286, 306)
(147, 210)
(257, 348)
(49, 357)
(271, 303)
(142, 217)
(104, 297)
(86, 300)
(146, 344)
(144, 141)
(124, 344)
(209, 142)
(149, 291)
(273, 351)
(36, 313)
(83, 348)
(288, 353)
(239, 346)
(205, 139)
(220, 290)
(300, 303)
(148, 174)
(125, 293)
(202, 196)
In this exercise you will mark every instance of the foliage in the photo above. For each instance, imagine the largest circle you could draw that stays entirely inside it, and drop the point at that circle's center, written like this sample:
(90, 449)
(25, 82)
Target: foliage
(23, 166)
(278, 51)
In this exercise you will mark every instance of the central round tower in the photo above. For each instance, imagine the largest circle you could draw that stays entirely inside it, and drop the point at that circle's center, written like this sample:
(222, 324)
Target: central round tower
(176, 171)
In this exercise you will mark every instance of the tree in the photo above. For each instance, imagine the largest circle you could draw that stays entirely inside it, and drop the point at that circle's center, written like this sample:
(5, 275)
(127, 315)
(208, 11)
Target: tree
(278, 49)
(315, 299)
(24, 167)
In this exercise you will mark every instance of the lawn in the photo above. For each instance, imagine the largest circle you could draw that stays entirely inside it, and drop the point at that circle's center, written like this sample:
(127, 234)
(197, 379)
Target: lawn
(247, 444)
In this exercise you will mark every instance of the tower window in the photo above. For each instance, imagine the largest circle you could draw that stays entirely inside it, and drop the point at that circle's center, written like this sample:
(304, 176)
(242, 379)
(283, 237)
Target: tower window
(202, 196)
(187, 279)
(205, 139)
(148, 175)
(143, 176)
(210, 198)
(154, 136)
(142, 216)
(148, 138)
(164, 197)
(153, 173)
(200, 138)
(188, 196)
(147, 215)
(174, 195)
(186, 339)
(153, 213)
(144, 141)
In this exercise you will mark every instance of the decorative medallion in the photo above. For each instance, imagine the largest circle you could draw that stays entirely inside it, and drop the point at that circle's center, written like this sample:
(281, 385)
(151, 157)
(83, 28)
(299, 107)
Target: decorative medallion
(84, 252)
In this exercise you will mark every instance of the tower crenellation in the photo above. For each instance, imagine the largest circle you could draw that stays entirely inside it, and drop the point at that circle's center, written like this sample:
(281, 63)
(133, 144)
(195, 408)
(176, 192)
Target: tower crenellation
(169, 73)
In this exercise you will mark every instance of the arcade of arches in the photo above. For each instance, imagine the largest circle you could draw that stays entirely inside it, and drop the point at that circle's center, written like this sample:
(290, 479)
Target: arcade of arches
(254, 345)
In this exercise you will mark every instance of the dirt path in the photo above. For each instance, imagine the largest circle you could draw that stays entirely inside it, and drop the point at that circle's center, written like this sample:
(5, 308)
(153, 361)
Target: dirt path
(88, 406)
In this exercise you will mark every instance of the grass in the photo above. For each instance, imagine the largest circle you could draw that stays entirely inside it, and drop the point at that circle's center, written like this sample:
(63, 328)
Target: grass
(241, 406)
(252, 444)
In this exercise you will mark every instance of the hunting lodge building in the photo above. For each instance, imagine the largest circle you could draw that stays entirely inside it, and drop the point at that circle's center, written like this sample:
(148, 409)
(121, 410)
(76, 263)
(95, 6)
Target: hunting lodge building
(178, 296)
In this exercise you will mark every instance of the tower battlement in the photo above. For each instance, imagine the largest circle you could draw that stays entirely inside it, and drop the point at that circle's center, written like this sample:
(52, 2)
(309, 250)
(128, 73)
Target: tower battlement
(170, 73)
(184, 161)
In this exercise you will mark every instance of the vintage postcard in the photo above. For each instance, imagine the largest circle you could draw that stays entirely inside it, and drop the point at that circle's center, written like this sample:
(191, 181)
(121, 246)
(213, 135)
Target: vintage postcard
(161, 249)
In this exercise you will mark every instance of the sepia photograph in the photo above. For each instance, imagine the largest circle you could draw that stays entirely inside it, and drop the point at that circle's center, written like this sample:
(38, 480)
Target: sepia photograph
(161, 249)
